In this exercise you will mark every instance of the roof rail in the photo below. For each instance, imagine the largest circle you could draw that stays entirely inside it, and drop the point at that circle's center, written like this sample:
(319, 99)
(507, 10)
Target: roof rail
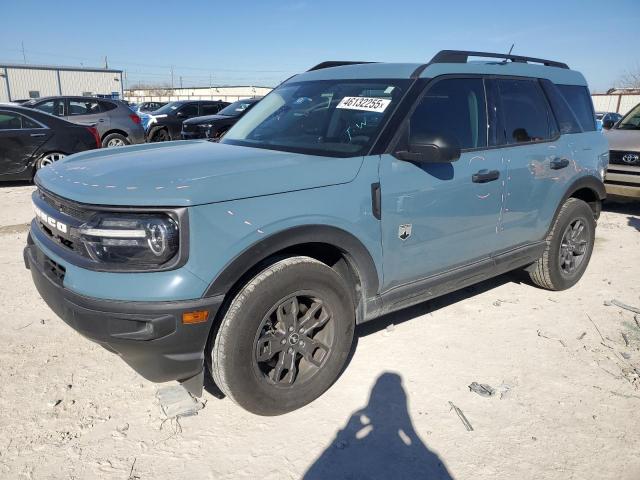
(462, 56)
(332, 63)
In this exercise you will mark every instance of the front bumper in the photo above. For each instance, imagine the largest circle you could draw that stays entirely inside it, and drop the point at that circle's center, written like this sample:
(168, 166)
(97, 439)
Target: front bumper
(149, 336)
(623, 180)
(192, 135)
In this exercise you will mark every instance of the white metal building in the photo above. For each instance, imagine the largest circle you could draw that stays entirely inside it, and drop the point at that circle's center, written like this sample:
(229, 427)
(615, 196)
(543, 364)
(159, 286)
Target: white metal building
(224, 93)
(18, 82)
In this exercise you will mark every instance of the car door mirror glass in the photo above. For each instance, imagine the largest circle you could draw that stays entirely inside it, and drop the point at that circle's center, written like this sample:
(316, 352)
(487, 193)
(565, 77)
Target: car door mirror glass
(608, 124)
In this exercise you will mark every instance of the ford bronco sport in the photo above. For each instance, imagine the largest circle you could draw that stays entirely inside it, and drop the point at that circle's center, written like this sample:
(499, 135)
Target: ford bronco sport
(352, 190)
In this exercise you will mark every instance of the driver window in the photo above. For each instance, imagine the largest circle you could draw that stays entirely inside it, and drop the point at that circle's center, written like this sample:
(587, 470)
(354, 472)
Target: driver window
(455, 108)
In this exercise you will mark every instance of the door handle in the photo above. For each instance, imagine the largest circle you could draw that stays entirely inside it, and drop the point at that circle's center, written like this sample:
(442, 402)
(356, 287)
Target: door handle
(484, 176)
(558, 163)
(38, 134)
(101, 120)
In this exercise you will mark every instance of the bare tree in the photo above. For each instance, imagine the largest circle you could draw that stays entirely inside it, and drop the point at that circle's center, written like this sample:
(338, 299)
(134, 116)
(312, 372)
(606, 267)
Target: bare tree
(631, 78)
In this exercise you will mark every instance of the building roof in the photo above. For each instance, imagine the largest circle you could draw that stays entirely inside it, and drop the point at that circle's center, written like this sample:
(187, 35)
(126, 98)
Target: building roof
(29, 66)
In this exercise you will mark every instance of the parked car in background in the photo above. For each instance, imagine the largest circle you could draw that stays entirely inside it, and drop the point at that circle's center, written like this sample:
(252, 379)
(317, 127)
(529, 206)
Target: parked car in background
(117, 125)
(30, 140)
(215, 126)
(166, 122)
(149, 106)
(623, 174)
(351, 191)
(608, 117)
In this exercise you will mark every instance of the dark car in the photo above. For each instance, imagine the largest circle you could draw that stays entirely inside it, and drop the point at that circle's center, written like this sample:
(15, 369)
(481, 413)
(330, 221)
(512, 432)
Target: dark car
(166, 122)
(215, 126)
(30, 140)
(117, 125)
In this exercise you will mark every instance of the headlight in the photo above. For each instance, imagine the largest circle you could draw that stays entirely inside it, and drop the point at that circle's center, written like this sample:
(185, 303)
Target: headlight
(136, 241)
(205, 125)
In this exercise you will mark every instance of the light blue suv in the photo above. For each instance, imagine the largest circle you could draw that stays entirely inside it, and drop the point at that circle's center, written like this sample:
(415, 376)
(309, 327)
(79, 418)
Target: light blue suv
(352, 190)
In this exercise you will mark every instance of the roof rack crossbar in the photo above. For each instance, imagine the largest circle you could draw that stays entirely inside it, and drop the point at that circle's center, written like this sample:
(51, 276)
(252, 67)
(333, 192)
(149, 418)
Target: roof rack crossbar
(462, 56)
(333, 63)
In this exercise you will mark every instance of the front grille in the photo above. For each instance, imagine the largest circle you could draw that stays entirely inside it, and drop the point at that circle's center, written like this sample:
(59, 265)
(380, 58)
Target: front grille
(617, 156)
(67, 207)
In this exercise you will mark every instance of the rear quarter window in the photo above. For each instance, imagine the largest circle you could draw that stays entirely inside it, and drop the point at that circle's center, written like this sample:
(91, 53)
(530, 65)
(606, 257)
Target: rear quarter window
(579, 100)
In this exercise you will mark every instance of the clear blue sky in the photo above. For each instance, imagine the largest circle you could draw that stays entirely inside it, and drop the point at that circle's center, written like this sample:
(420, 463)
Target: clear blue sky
(264, 42)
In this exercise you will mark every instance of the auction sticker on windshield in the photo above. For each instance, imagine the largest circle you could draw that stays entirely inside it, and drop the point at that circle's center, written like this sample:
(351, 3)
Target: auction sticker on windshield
(369, 104)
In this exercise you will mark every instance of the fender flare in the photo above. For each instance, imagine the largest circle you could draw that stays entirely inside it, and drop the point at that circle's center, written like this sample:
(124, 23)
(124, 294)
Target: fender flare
(344, 241)
(588, 181)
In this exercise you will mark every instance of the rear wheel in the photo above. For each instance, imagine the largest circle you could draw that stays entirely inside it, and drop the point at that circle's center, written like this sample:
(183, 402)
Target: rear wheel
(49, 159)
(115, 140)
(160, 135)
(285, 337)
(569, 247)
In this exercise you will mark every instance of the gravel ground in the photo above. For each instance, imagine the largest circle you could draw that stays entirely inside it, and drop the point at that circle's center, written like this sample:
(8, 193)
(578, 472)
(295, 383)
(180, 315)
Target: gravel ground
(566, 406)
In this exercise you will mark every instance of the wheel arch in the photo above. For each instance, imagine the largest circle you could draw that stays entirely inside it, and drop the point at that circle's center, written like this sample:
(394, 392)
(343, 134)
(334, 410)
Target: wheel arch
(331, 245)
(588, 189)
(114, 130)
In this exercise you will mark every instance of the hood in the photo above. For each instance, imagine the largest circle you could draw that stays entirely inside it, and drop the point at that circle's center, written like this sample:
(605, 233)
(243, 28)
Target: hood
(205, 119)
(623, 139)
(183, 173)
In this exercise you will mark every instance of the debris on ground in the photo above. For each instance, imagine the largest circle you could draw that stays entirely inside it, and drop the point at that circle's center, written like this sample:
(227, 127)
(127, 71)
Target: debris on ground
(624, 306)
(462, 418)
(175, 401)
(482, 389)
(543, 335)
(582, 335)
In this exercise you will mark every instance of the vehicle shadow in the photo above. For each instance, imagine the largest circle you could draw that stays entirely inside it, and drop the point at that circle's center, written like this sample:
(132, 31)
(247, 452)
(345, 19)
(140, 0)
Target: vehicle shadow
(628, 207)
(379, 442)
(16, 183)
(435, 304)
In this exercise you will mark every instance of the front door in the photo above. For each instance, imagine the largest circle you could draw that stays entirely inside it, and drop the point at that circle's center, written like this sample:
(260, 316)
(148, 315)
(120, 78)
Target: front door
(437, 217)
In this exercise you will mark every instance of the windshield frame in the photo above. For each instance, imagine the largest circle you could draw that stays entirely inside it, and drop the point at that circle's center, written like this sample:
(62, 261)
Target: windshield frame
(169, 108)
(405, 84)
(634, 112)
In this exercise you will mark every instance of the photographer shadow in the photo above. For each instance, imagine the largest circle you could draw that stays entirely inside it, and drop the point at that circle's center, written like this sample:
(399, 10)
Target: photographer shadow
(379, 442)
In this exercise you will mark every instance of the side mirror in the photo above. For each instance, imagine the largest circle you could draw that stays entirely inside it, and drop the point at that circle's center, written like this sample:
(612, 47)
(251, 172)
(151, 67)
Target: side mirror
(431, 149)
(608, 124)
(180, 115)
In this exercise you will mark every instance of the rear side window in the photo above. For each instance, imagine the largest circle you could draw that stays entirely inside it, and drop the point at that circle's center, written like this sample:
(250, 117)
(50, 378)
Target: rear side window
(83, 107)
(525, 113)
(15, 121)
(455, 108)
(106, 106)
(565, 116)
(579, 100)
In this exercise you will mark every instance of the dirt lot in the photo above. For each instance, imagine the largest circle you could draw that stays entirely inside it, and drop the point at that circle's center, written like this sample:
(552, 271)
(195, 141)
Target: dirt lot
(567, 404)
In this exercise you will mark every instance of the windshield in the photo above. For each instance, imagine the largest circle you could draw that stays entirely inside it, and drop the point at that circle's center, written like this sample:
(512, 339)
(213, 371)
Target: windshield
(236, 108)
(631, 120)
(168, 108)
(339, 118)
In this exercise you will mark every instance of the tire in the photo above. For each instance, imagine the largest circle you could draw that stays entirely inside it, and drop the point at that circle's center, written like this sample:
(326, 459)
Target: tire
(115, 140)
(248, 360)
(160, 135)
(567, 252)
(48, 159)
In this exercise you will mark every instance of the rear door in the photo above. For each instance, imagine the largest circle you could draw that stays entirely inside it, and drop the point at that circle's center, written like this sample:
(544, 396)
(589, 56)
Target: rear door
(538, 161)
(88, 112)
(20, 138)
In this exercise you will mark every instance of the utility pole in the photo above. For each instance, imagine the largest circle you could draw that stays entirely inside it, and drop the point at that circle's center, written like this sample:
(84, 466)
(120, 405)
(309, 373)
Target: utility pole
(106, 63)
(171, 77)
(180, 81)
(24, 57)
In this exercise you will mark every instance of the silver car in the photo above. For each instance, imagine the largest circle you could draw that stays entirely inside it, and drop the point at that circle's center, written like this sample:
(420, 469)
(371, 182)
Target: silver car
(623, 174)
(117, 125)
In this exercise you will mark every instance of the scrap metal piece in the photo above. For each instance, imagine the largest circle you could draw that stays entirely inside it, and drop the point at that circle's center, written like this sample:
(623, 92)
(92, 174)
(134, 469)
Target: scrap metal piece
(482, 389)
(462, 418)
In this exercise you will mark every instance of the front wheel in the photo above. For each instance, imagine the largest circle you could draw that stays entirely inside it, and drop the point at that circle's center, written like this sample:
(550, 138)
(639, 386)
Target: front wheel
(569, 247)
(284, 338)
